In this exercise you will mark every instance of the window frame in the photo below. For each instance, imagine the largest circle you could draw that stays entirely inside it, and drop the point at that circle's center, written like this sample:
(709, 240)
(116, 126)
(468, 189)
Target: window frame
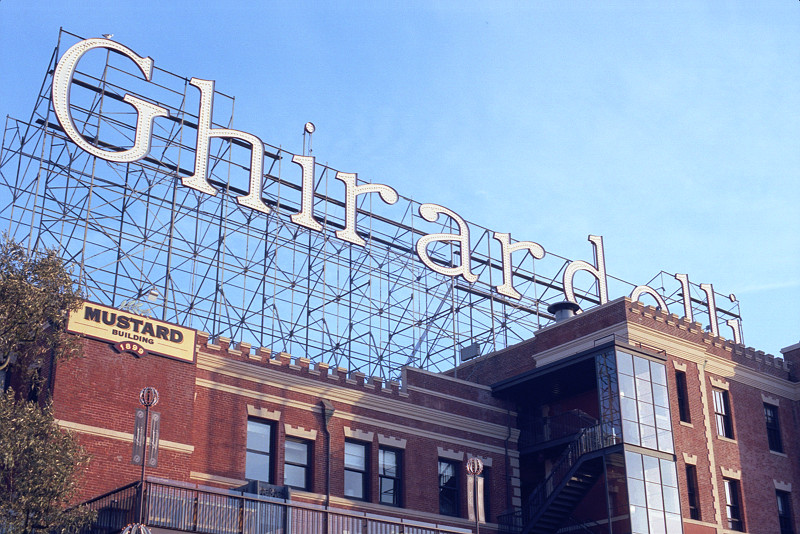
(722, 413)
(774, 438)
(268, 453)
(362, 473)
(733, 504)
(785, 518)
(396, 481)
(692, 493)
(305, 466)
(450, 487)
(682, 390)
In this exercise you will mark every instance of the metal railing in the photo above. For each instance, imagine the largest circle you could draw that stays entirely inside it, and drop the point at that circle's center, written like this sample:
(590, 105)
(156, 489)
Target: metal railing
(544, 429)
(589, 440)
(574, 525)
(114, 509)
(510, 522)
(185, 508)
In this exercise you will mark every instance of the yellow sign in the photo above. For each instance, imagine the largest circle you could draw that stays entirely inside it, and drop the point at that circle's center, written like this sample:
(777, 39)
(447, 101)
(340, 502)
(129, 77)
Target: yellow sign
(132, 333)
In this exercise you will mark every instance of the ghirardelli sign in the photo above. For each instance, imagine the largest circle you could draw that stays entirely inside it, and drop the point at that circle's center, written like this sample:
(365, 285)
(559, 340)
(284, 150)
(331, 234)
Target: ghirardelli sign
(147, 113)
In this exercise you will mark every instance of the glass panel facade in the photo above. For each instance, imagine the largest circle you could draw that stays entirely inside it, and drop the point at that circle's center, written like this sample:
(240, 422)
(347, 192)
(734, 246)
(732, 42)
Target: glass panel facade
(653, 495)
(608, 388)
(644, 402)
(652, 482)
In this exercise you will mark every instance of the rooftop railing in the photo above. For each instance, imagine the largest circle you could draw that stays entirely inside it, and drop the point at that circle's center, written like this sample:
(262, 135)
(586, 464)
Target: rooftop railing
(187, 508)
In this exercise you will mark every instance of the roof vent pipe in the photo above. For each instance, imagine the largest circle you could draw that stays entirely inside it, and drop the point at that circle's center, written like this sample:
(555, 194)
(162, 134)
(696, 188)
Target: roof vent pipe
(563, 310)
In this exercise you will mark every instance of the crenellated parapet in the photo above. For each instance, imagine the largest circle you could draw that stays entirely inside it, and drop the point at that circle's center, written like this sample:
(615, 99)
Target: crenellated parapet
(717, 346)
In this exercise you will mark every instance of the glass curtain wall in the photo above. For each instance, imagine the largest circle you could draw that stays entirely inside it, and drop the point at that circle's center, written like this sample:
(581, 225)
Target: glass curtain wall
(652, 480)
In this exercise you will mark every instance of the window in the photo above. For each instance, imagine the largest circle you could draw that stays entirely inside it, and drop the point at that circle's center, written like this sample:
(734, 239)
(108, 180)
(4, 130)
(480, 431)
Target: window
(653, 496)
(733, 505)
(259, 447)
(644, 403)
(355, 470)
(683, 396)
(722, 413)
(773, 428)
(389, 476)
(691, 491)
(785, 511)
(296, 463)
(448, 488)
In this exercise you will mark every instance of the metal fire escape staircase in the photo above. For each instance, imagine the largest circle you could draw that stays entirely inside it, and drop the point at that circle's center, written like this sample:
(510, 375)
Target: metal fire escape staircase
(551, 503)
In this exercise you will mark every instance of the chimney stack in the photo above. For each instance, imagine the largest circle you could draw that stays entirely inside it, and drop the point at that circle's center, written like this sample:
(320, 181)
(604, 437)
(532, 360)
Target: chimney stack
(563, 310)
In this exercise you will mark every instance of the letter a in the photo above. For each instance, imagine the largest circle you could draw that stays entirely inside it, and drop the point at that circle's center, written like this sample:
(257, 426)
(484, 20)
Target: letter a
(430, 212)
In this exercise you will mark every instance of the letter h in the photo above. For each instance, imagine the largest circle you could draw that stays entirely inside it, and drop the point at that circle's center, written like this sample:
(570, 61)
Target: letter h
(199, 180)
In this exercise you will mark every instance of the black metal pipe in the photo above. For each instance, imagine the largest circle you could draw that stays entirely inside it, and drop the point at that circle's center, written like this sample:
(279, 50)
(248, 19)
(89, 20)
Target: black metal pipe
(327, 414)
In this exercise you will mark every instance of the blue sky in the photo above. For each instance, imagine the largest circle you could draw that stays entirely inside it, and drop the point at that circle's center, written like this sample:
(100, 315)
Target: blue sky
(672, 129)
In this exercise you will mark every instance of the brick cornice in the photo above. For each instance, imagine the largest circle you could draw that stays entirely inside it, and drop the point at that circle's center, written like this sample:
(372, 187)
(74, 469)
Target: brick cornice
(464, 424)
(730, 370)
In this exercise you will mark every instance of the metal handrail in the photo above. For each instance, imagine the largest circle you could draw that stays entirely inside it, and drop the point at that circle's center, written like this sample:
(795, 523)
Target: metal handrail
(115, 509)
(510, 522)
(589, 440)
(575, 525)
(543, 429)
(187, 508)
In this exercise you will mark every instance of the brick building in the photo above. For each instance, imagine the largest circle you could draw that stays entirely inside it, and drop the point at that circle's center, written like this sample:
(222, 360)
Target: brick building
(619, 419)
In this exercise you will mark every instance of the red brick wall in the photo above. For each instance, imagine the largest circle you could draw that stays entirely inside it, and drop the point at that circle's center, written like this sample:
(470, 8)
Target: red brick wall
(221, 429)
(748, 452)
(101, 390)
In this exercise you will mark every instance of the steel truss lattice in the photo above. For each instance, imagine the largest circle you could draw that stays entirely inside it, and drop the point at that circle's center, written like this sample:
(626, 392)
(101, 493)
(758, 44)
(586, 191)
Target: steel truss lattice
(141, 240)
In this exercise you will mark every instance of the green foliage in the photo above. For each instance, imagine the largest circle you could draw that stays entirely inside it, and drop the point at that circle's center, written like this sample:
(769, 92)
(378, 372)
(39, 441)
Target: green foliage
(36, 295)
(39, 469)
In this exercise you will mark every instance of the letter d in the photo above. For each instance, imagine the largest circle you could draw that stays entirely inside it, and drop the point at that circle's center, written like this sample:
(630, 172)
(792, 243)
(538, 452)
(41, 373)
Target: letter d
(599, 272)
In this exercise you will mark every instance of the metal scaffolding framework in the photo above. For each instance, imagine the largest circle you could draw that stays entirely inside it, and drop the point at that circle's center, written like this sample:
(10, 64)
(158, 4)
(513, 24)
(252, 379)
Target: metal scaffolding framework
(140, 240)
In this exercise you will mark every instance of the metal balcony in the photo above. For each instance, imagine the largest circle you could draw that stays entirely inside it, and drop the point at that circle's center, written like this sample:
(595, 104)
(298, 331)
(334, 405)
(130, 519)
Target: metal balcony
(176, 507)
(551, 503)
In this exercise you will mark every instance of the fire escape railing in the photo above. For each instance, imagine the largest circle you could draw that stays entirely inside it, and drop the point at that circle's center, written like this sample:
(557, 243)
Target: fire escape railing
(538, 430)
(589, 440)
